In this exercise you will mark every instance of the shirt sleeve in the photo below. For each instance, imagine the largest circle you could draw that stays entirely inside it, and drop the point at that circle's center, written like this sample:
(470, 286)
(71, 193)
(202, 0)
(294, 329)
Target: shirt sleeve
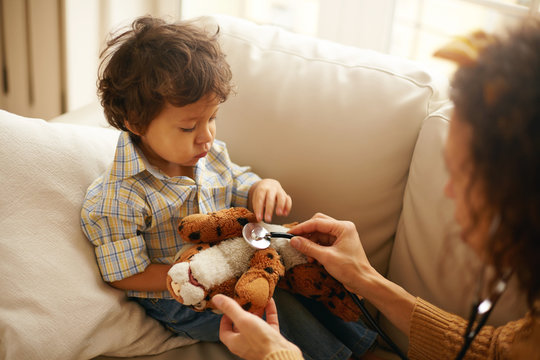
(114, 227)
(437, 334)
(239, 178)
(243, 180)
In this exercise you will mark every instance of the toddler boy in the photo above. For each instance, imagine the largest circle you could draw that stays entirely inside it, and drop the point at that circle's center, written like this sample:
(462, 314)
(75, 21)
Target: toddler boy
(162, 84)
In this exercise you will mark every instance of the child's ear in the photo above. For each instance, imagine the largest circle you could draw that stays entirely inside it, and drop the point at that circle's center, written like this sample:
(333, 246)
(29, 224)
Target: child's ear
(132, 129)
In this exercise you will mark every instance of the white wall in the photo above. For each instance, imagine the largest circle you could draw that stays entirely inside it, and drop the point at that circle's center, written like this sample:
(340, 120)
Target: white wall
(32, 58)
(362, 23)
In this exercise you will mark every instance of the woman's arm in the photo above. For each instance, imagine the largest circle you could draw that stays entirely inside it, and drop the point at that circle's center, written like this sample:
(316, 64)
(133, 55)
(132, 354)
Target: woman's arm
(390, 299)
(433, 333)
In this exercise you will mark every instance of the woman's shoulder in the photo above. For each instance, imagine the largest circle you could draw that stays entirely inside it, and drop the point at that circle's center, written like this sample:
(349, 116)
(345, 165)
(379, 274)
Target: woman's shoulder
(527, 337)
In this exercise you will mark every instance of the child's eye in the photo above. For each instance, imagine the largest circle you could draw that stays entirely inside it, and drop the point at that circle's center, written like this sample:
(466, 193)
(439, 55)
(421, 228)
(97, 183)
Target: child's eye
(187, 130)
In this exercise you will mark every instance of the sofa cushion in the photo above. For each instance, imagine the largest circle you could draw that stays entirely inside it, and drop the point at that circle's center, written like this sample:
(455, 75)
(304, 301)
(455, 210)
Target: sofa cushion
(54, 304)
(336, 125)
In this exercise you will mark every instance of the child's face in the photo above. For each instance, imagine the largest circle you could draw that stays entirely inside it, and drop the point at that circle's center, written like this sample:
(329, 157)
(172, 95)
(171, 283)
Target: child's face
(179, 136)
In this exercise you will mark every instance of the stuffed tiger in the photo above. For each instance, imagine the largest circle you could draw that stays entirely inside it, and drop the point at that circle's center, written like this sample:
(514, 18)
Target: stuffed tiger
(219, 261)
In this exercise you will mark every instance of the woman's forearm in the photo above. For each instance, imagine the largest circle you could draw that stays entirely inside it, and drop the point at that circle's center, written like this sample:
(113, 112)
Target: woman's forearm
(390, 299)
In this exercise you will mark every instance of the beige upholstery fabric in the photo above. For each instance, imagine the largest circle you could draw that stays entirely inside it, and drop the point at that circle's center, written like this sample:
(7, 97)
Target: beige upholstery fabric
(336, 125)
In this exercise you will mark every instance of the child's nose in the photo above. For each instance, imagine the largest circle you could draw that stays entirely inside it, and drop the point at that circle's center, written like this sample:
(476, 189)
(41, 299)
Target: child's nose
(205, 134)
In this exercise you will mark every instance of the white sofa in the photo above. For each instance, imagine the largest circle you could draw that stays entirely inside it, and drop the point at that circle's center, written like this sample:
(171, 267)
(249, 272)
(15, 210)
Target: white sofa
(352, 133)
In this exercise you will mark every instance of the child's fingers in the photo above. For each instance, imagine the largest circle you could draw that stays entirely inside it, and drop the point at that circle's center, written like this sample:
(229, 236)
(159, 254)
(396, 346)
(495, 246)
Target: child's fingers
(258, 204)
(270, 204)
(288, 206)
(281, 202)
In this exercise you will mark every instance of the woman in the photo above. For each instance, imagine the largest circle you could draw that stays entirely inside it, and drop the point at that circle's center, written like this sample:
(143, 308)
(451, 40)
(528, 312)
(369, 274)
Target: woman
(493, 157)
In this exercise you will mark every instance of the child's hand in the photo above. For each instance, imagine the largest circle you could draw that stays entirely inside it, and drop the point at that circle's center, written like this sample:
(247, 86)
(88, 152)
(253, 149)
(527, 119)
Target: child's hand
(267, 195)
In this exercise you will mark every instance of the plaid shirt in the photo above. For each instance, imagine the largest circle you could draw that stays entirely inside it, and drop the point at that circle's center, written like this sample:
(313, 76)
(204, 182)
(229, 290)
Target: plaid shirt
(131, 212)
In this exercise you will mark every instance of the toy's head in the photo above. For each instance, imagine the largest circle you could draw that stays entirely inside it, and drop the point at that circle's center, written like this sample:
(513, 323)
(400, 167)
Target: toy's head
(214, 227)
(198, 274)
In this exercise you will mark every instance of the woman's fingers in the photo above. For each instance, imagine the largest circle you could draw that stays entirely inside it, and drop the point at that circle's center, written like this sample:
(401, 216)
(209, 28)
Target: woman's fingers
(272, 314)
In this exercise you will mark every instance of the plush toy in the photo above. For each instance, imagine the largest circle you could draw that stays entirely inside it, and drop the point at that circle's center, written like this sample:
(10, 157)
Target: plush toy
(220, 261)
(464, 50)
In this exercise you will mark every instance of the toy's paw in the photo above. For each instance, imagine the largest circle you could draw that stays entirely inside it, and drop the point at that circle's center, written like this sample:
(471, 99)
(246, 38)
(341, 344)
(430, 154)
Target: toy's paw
(185, 288)
(256, 286)
(312, 281)
(253, 291)
(214, 227)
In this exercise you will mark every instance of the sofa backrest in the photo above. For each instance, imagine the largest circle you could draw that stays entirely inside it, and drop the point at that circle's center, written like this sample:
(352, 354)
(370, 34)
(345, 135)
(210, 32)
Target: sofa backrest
(336, 125)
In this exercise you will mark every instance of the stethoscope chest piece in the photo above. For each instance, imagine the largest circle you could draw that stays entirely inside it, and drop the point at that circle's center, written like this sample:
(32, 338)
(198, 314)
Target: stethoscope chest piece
(258, 237)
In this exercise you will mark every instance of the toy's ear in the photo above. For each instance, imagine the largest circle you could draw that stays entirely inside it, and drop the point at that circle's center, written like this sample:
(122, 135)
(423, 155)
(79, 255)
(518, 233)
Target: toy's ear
(217, 226)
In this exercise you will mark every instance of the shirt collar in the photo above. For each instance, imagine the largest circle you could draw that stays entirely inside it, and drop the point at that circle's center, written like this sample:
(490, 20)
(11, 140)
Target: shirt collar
(130, 161)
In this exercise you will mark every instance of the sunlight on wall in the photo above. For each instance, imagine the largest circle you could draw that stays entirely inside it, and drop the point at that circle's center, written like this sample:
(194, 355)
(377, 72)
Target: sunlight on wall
(298, 16)
(421, 27)
(406, 28)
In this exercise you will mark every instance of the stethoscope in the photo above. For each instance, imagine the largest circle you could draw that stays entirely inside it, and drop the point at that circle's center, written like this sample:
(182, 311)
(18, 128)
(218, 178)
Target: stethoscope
(481, 310)
(259, 237)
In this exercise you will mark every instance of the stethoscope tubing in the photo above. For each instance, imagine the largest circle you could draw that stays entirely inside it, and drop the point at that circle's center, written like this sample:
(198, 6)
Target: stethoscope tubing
(373, 323)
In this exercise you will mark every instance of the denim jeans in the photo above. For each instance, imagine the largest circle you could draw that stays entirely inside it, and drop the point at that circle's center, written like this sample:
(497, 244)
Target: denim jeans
(319, 334)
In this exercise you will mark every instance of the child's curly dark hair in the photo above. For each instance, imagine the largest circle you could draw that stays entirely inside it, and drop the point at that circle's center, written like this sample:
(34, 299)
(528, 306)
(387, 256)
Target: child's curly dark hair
(499, 97)
(154, 62)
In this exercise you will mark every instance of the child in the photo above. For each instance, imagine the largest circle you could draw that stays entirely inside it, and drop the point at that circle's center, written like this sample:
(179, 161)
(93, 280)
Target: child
(162, 84)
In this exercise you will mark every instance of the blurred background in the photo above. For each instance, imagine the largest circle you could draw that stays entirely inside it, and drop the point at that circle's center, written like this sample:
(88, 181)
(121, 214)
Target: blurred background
(49, 49)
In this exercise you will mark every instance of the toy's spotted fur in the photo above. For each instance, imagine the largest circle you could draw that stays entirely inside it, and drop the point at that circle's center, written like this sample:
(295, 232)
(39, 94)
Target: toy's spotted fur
(220, 261)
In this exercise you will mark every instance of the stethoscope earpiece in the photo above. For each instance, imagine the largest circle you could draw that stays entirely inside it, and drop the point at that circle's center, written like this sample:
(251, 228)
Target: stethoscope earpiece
(481, 310)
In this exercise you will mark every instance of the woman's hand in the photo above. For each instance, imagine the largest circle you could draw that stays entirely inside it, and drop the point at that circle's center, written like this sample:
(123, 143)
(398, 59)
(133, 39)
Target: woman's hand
(336, 245)
(247, 335)
(267, 195)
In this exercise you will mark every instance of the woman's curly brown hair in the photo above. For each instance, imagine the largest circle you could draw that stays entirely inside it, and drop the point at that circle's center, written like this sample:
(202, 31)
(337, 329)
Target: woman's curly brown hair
(499, 97)
(154, 62)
